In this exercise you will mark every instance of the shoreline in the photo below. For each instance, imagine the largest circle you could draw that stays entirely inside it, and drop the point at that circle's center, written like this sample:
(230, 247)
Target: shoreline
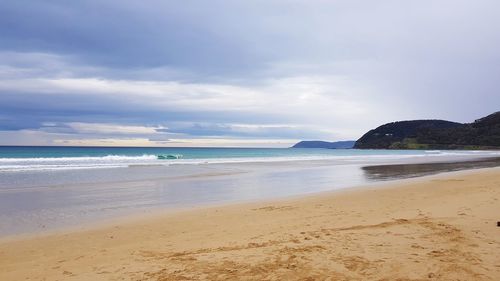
(445, 218)
(142, 191)
(153, 213)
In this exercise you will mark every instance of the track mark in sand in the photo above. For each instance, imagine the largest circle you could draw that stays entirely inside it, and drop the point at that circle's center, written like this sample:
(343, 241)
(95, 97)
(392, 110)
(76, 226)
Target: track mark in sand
(275, 208)
(175, 255)
(285, 264)
(448, 180)
(438, 250)
(68, 273)
(378, 225)
(359, 264)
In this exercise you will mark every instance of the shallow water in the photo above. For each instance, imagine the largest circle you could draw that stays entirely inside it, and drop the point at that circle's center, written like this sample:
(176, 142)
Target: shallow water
(402, 171)
(22, 159)
(40, 200)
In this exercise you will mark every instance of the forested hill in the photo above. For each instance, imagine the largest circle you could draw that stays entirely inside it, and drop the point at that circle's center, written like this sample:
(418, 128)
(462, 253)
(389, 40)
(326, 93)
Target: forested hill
(484, 133)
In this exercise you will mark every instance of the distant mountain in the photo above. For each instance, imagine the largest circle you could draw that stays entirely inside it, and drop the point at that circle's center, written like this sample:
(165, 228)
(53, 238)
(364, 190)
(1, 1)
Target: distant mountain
(325, 144)
(483, 133)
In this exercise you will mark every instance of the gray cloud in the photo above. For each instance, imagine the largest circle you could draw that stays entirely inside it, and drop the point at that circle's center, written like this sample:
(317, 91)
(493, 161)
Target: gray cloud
(321, 69)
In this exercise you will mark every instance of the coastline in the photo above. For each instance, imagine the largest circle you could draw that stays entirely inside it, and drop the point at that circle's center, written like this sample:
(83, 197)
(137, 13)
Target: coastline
(43, 201)
(439, 227)
(159, 213)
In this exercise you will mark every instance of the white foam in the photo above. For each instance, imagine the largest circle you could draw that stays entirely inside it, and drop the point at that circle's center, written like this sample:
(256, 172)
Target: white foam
(78, 159)
(120, 161)
(72, 163)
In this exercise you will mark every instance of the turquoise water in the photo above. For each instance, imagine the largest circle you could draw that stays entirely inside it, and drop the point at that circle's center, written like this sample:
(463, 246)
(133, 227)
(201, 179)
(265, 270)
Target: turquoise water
(187, 153)
(43, 188)
(19, 158)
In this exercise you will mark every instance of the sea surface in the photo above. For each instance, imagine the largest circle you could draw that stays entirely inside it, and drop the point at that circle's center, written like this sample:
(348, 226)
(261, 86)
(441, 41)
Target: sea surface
(26, 158)
(46, 188)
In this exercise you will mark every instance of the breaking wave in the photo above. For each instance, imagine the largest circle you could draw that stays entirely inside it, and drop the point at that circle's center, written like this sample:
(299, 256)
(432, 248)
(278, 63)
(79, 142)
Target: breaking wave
(120, 161)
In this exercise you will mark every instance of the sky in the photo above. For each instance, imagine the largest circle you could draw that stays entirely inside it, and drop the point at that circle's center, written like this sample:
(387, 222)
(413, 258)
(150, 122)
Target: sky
(240, 73)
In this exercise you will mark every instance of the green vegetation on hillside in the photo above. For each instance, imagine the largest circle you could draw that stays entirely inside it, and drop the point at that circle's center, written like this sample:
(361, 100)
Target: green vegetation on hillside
(484, 133)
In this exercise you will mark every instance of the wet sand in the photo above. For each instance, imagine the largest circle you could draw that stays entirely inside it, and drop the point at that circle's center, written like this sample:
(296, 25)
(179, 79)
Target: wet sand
(44, 201)
(434, 228)
(413, 170)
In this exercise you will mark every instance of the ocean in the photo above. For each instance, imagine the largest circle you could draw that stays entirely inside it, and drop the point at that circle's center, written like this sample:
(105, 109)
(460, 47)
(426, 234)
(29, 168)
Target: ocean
(32, 158)
(46, 188)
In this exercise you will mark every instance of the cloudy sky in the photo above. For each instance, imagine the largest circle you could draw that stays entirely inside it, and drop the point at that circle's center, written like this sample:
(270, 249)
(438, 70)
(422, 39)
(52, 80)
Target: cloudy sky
(240, 73)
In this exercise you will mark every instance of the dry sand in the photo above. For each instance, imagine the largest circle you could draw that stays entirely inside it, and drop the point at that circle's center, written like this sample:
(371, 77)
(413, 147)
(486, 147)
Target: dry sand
(437, 228)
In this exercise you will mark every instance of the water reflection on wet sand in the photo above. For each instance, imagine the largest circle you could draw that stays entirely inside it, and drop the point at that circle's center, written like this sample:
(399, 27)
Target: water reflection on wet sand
(402, 171)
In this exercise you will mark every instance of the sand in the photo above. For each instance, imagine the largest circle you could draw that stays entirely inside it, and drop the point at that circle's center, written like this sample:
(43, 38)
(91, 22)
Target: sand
(436, 228)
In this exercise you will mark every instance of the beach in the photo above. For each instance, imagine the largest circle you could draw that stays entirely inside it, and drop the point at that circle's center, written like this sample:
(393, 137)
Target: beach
(440, 227)
(43, 189)
(249, 140)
